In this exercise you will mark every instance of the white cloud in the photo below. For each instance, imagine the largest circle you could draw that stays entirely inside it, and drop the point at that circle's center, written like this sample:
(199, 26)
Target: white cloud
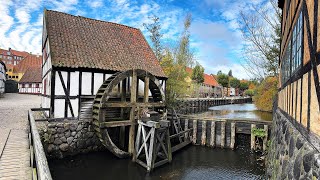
(95, 4)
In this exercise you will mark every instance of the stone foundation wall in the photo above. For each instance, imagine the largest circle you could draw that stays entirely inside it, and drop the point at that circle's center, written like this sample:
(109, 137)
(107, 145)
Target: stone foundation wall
(69, 137)
(291, 155)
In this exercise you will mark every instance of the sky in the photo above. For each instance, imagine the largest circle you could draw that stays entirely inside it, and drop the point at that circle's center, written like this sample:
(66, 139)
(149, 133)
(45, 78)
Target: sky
(216, 39)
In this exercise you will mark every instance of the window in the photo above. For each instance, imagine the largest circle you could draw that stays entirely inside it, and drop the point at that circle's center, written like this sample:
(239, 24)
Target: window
(17, 77)
(9, 76)
(8, 53)
(37, 85)
(23, 85)
(30, 85)
(0, 56)
(10, 70)
(9, 57)
(292, 59)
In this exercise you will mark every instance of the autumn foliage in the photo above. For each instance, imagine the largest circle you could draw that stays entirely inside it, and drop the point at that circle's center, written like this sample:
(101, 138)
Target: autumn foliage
(265, 94)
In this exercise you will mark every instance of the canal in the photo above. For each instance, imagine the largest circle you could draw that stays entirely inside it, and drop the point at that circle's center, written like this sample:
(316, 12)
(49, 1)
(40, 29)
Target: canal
(192, 162)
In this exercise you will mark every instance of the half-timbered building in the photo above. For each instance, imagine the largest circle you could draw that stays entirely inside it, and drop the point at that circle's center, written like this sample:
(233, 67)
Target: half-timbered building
(295, 143)
(31, 81)
(79, 54)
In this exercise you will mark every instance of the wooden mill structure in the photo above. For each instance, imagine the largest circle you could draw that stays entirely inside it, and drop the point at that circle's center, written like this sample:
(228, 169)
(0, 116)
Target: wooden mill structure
(106, 74)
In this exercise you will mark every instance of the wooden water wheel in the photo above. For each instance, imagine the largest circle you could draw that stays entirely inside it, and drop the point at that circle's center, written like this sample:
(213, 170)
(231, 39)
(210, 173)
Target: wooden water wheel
(116, 105)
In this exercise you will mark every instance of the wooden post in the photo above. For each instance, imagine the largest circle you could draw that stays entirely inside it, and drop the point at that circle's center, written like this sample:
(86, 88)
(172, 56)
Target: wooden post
(123, 99)
(213, 133)
(194, 137)
(186, 126)
(204, 133)
(146, 90)
(265, 139)
(223, 134)
(132, 114)
(233, 135)
(253, 138)
(169, 145)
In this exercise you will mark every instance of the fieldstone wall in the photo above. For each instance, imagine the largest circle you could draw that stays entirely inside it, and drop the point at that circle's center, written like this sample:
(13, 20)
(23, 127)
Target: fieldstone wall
(291, 155)
(69, 137)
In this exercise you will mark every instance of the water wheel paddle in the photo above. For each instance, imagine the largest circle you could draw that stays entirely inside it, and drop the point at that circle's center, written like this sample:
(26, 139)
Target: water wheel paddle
(104, 106)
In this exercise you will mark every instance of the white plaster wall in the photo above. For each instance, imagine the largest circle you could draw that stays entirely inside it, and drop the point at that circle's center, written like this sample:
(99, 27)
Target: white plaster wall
(74, 103)
(86, 83)
(59, 108)
(98, 80)
(107, 76)
(74, 83)
(58, 85)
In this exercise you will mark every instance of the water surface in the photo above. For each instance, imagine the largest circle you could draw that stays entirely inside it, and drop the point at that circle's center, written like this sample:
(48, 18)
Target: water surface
(192, 162)
(237, 111)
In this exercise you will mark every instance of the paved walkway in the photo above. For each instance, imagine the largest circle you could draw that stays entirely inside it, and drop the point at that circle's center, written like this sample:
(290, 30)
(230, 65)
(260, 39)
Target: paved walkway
(14, 142)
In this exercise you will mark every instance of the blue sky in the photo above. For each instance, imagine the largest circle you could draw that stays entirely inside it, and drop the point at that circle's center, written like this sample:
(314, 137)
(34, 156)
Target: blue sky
(215, 36)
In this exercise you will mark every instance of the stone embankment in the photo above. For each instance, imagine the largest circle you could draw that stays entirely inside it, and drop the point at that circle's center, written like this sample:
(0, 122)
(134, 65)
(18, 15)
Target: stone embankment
(291, 154)
(69, 137)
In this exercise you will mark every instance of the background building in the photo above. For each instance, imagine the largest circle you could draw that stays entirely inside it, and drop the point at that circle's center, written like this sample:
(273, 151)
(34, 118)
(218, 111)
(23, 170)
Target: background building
(31, 82)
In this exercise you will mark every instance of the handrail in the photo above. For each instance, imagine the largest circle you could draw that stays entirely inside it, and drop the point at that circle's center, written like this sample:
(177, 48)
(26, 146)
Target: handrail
(39, 164)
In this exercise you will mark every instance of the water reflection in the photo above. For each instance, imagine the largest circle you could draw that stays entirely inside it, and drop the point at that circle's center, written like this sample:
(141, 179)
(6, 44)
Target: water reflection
(237, 111)
(193, 162)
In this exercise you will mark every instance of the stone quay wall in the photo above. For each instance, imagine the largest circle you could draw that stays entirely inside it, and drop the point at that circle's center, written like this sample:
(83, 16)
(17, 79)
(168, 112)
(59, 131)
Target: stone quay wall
(69, 137)
(291, 154)
(197, 105)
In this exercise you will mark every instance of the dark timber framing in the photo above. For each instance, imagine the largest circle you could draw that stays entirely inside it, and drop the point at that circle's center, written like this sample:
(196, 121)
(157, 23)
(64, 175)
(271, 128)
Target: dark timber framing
(67, 100)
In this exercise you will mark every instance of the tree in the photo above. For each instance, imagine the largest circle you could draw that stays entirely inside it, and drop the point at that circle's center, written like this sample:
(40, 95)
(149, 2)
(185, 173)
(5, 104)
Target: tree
(230, 73)
(234, 82)
(244, 86)
(223, 80)
(174, 63)
(265, 94)
(262, 33)
(197, 73)
(154, 29)
(219, 72)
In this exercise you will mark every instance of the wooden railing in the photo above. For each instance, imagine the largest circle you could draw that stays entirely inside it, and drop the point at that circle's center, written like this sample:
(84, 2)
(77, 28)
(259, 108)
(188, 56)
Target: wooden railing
(39, 163)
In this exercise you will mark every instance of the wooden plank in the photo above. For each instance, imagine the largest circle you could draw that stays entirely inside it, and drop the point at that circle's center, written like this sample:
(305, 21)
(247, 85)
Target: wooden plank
(253, 138)
(146, 89)
(204, 132)
(223, 134)
(194, 137)
(181, 145)
(132, 113)
(133, 104)
(265, 139)
(182, 132)
(115, 123)
(233, 135)
(40, 157)
(186, 126)
(213, 133)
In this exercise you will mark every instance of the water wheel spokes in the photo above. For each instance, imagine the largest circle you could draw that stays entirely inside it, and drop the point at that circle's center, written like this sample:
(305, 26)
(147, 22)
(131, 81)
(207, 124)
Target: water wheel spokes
(108, 107)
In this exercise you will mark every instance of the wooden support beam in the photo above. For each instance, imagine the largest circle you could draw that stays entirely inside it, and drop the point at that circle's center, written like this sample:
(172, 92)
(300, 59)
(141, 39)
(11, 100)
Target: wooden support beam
(223, 134)
(146, 89)
(233, 135)
(133, 104)
(181, 132)
(132, 114)
(186, 126)
(213, 133)
(115, 123)
(123, 99)
(265, 139)
(204, 133)
(253, 138)
(194, 137)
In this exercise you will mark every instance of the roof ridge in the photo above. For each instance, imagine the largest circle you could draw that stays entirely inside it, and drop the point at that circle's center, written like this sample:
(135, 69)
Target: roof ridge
(93, 19)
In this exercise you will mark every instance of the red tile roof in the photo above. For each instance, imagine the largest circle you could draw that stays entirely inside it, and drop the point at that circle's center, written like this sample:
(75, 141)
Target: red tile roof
(31, 61)
(14, 52)
(77, 41)
(210, 80)
(32, 75)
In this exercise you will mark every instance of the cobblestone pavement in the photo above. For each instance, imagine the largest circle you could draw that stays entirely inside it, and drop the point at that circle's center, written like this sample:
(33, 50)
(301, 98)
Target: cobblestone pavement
(14, 110)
